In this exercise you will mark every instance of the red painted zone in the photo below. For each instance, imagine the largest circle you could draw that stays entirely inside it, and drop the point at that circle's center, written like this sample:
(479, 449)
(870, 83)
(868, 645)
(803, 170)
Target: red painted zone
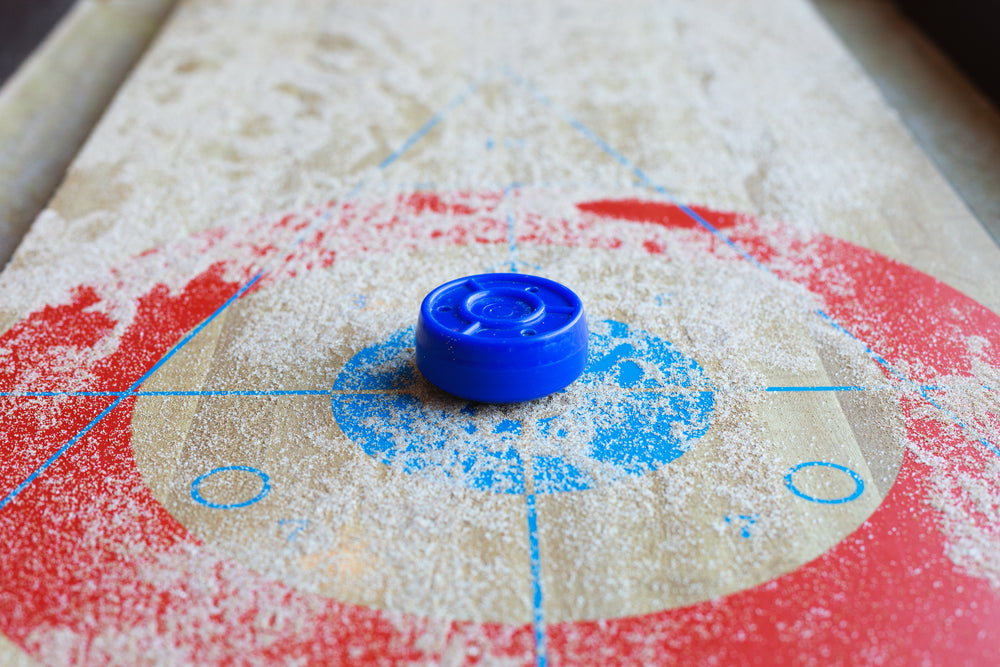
(92, 557)
(887, 593)
(84, 547)
(36, 344)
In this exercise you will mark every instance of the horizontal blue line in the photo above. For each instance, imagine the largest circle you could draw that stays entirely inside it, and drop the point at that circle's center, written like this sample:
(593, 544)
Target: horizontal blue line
(410, 141)
(598, 141)
(182, 392)
(830, 388)
(121, 397)
(44, 394)
(239, 392)
(328, 392)
(921, 388)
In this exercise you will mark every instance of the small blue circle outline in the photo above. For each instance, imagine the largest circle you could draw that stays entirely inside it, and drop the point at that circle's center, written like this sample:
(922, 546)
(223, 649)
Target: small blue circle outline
(859, 484)
(198, 498)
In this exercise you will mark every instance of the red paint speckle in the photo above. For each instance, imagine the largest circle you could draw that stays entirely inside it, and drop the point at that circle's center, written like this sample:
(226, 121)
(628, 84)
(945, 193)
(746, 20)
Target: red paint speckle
(81, 541)
(667, 215)
(34, 340)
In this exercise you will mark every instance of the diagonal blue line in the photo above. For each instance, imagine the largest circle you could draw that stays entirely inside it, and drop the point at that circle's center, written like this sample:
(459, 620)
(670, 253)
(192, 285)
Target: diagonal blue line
(407, 144)
(62, 450)
(194, 332)
(395, 155)
(135, 385)
(958, 420)
(433, 122)
(875, 356)
(598, 141)
(646, 180)
(924, 390)
(537, 612)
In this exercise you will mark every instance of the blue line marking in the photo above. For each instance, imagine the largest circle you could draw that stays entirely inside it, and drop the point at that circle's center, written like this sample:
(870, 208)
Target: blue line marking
(59, 452)
(131, 391)
(646, 180)
(328, 392)
(196, 488)
(433, 122)
(49, 394)
(511, 238)
(628, 164)
(194, 332)
(239, 392)
(958, 420)
(382, 416)
(300, 525)
(114, 404)
(176, 392)
(830, 388)
(875, 356)
(859, 484)
(923, 390)
(747, 519)
(538, 614)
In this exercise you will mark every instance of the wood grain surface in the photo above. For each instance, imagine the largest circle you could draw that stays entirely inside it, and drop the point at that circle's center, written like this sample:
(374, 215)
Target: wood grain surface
(212, 409)
(49, 106)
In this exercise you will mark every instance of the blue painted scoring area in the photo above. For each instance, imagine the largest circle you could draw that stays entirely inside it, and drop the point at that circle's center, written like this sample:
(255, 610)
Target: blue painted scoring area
(646, 403)
(397, 429)
(666, 405)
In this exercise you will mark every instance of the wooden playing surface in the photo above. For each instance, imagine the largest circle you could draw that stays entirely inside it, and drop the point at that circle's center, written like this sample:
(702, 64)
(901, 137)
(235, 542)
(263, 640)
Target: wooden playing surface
(784, 448)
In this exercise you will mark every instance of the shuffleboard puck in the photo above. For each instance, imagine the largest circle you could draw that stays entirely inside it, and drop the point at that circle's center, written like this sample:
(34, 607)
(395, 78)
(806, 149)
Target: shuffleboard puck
(501, 337)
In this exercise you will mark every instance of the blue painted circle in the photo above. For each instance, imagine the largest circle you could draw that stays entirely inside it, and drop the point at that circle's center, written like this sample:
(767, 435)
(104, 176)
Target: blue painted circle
(501, 337)
(642, 402)
(859, 484)
(196, 488)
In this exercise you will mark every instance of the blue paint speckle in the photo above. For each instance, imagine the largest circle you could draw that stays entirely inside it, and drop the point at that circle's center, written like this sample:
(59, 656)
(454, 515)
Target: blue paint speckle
(640, 402)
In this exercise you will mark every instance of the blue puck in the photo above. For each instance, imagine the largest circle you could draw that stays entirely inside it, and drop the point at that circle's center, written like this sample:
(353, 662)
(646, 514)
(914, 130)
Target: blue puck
(501, 337)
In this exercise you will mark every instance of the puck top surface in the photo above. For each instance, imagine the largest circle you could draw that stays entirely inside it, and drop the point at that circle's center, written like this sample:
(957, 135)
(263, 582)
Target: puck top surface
(481, 327)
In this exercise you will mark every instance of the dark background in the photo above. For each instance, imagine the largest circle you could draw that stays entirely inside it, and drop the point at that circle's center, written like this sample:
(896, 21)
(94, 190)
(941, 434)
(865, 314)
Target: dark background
(23, 24)
(968, 31)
